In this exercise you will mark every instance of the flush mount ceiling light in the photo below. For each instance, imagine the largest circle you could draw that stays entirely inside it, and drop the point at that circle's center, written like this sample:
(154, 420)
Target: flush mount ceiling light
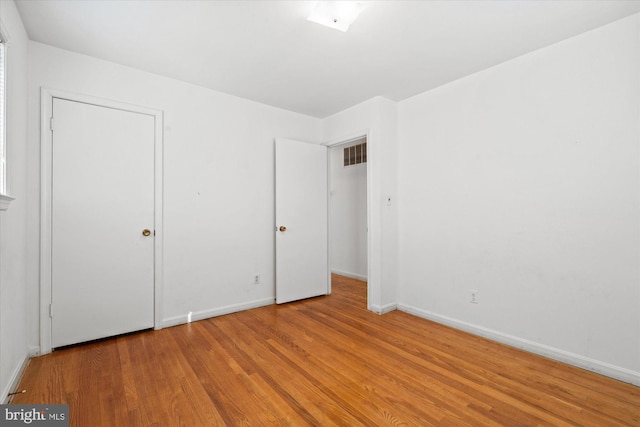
(336, 14)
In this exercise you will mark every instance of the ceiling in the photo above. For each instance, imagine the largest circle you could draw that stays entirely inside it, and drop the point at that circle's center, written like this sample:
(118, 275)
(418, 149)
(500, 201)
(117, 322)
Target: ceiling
(268, 52)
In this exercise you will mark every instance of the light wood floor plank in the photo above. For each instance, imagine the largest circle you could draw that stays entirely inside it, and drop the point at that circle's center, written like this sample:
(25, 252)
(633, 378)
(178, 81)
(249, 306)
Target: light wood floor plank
(320, 362)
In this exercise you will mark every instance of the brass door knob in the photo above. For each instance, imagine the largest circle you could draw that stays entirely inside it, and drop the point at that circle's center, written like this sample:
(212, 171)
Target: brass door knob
(146, 232)
(283, 228)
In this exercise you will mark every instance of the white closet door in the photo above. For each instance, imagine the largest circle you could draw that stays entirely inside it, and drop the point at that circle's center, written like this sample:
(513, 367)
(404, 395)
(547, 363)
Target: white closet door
(102, 203)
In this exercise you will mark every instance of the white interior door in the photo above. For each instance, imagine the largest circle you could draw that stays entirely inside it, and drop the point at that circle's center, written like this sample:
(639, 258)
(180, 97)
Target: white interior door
(102, 200)
(301, 221)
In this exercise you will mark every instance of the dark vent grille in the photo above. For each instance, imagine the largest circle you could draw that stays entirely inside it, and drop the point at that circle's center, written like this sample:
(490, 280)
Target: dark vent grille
(355, 154)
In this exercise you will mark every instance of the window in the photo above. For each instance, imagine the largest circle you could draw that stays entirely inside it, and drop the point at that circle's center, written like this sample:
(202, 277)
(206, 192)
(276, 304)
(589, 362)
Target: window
(356, 154)
(5, 200)
(3, 153)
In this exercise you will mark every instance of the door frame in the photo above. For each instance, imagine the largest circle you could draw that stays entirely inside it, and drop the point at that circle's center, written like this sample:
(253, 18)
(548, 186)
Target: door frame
(336, 142)
(46, 174)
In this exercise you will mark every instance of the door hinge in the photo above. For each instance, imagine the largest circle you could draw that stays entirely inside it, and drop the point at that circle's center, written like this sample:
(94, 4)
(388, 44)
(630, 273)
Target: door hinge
(51, 310)
(51, 123)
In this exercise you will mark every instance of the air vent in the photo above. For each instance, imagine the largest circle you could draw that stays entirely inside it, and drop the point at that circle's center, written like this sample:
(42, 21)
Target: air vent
(355, 154)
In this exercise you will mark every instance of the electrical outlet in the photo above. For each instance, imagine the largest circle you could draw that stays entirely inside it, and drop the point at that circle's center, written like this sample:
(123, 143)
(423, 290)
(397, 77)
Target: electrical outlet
(256, 279)
(473, 297)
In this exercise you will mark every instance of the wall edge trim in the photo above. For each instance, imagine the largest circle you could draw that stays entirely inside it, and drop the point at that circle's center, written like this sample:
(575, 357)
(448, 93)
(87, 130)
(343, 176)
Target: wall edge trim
(349, 275)
(214, 312)
(14, 379)
(599, 367)
(383, 309)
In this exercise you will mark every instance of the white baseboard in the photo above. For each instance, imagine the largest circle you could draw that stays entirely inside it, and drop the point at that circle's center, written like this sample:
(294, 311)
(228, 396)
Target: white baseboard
(350, 275)
(206, 314)
(383, 309)
(14, 380)
(597, 366)
(34, 351)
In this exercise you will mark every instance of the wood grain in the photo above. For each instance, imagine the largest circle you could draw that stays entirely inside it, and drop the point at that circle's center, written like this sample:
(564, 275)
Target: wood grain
(321, 362)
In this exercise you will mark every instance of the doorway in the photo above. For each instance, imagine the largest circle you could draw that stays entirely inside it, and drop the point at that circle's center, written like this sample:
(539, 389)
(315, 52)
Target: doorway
(348, 208)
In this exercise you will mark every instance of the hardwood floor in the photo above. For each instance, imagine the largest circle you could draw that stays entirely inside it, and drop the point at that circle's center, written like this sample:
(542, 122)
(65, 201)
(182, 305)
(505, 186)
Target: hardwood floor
(321, 362)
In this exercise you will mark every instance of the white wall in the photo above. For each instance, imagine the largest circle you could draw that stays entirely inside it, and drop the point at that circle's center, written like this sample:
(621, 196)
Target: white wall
(377, 119)
(218, 180)
(348, 215)
(522, 182)
(13, 225)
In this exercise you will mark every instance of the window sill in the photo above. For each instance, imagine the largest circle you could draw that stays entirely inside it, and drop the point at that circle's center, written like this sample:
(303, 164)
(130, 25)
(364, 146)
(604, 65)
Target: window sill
(5, 201)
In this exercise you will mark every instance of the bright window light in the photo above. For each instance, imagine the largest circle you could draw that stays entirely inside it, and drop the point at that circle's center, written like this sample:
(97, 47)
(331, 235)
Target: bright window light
(3, 153)
(336, 14)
